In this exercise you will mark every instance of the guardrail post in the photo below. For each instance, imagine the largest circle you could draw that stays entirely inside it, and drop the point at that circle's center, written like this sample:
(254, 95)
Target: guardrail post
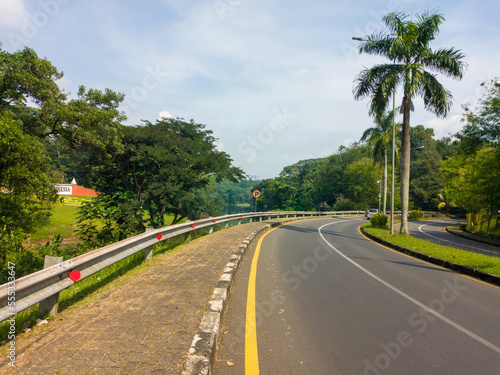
(211, 230)
(50, 304)
(148, 253)
(187, 237)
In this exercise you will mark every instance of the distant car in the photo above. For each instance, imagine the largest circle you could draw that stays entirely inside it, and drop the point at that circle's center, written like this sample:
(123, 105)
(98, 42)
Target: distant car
(371, 212)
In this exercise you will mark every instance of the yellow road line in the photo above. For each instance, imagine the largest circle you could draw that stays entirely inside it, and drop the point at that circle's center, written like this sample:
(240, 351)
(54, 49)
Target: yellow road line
(251, 351)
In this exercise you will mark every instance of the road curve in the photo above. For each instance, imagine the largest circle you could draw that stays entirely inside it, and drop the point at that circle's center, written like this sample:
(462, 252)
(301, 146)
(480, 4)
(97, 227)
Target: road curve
(434, 231)
(329, 301)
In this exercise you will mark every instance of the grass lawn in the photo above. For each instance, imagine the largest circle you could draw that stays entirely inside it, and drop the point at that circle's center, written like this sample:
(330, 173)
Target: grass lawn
(63, 219)
(479, 262)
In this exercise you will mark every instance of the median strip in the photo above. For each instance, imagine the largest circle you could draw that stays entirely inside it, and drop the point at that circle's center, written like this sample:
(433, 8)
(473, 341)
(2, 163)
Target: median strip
(457, 260)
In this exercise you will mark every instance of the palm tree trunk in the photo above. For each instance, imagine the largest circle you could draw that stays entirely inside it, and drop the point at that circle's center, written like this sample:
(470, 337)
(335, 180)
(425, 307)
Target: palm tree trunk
(405, 167)
(385, 180)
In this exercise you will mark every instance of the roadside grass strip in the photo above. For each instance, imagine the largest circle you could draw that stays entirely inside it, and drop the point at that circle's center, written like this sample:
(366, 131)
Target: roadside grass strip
(480, 262)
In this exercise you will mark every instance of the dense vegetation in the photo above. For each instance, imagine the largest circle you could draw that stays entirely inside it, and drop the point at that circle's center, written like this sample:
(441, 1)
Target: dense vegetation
(350, 178)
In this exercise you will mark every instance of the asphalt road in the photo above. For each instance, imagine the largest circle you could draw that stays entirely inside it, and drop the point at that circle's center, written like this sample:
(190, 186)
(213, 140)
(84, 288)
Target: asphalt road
(434, 231)
(329, 301)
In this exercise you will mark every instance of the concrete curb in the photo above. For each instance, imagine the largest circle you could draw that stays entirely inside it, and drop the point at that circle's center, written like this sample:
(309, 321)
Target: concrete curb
(487, 277)
(201, 355)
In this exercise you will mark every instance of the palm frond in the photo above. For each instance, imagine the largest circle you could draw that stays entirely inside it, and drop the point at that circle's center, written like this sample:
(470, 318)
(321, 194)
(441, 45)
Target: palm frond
(436, 98)
(367, 81)
(377, 44)
(368, 133)
(447, 61)
(428, 26)
(395, 22)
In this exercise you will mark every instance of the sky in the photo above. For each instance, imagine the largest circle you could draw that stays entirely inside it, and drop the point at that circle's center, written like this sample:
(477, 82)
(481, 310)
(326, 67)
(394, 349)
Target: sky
(272, 79)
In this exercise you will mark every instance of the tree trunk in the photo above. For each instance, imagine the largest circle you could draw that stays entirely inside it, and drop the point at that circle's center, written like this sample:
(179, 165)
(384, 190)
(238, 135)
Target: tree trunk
(385, 180)
(405, 167)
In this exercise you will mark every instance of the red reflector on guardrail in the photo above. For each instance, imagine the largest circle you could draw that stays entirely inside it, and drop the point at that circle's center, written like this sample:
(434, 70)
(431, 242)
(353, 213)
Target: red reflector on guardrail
(75, 275)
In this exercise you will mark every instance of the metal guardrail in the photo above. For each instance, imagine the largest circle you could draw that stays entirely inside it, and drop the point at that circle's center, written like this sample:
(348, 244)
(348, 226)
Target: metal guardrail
(45, 285)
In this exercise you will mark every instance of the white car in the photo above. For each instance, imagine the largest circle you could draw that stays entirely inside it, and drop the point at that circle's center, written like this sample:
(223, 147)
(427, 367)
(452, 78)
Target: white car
(371, 212)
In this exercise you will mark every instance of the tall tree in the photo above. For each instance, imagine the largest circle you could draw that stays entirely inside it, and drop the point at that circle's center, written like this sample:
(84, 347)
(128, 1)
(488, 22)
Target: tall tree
(426, 179)
(361, 178)
(407, 46)
(483, 124)
(165, 166)
(87, 125)
(380, 138)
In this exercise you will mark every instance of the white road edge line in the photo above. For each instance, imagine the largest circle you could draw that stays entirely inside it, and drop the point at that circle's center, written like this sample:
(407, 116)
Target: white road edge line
(456, 243)
(411, 299)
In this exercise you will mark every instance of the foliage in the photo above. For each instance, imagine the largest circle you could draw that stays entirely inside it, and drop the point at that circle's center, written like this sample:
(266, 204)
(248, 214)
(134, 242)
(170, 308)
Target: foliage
(380, 138)
(416, 215)
(426, 179)
(166, 168)
(323, 184)
(379, 220)
(29, 90)
(26, 192)
(344, 204)
(30, 258)
(472, 180)
(361, 178)
(407, 45)
(109, 218)
(482, 125)
(444, 200)
(234, 193)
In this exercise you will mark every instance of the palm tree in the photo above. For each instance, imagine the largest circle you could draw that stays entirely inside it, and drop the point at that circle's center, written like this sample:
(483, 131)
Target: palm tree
(380, 138)
(407, 45)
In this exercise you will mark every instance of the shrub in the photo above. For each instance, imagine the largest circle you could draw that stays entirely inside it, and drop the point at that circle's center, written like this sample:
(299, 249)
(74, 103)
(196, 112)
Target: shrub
(379, 220)
(416, 214)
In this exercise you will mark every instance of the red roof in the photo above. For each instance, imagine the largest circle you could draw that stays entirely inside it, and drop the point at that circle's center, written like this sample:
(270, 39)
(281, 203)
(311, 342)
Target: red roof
(83, 192)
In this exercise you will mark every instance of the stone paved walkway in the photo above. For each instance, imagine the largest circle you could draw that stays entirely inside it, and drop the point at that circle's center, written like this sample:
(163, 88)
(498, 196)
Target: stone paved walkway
(142, 325)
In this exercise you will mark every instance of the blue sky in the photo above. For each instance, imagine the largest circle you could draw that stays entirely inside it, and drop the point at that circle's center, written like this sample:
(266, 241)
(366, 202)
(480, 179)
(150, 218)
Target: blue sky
(273, 79)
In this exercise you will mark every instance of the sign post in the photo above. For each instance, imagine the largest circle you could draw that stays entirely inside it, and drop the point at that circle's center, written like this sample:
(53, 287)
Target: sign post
(256, 194)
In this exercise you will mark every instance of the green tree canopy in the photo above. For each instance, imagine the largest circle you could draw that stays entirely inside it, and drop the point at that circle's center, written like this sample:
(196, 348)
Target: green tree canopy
(472, 180)
(482, 126)
(166, 165)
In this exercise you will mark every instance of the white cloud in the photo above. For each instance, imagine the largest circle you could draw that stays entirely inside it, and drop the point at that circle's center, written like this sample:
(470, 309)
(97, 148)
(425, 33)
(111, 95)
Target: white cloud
(443, 127)
(164, 114)
(13, 14)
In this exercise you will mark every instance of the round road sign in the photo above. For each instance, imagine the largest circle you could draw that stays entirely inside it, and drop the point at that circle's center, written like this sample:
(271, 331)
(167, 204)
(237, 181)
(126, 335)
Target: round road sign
(256, 194)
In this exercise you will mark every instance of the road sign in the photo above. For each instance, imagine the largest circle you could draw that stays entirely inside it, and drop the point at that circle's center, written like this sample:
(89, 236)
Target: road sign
(256, 194)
